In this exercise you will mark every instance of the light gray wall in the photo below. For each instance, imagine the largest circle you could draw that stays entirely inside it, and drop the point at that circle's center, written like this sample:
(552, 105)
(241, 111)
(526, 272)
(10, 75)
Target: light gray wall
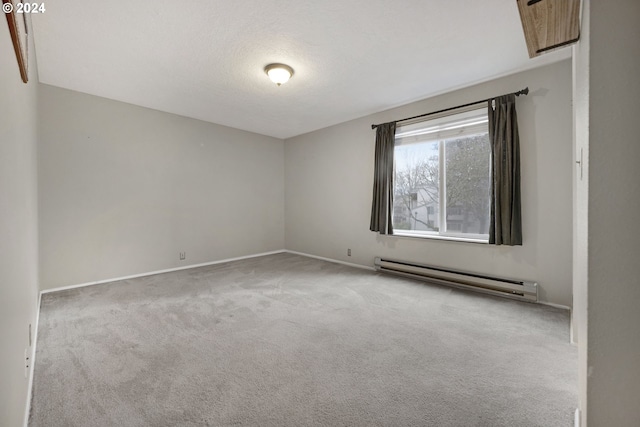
(18, 227)
(329, 176)
(124, 189)
(613, 384)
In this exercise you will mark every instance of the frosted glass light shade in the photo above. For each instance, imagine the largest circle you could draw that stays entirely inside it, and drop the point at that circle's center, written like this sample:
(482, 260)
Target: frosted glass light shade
(279, 73)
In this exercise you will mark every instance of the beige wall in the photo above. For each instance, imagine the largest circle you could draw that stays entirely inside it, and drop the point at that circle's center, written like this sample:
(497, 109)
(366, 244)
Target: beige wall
(18, 227)
(329, 184)
(124, 189)
(613, 352)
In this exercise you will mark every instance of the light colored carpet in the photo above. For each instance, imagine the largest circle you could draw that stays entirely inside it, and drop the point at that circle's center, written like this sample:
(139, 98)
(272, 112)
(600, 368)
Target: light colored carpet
(285, 340)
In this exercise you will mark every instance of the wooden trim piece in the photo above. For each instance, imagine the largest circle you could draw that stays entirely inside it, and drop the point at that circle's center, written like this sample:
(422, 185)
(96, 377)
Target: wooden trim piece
(549, 24)
(17, 44)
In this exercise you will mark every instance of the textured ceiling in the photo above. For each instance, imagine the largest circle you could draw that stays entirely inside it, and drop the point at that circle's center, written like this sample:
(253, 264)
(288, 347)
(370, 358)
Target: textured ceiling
(205, 58)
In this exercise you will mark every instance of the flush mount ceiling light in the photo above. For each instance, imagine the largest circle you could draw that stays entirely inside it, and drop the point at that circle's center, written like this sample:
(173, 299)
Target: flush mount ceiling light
(278, 73)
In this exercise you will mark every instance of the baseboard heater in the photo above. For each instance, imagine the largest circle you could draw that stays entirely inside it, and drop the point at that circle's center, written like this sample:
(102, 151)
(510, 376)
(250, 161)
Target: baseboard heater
(510, 288)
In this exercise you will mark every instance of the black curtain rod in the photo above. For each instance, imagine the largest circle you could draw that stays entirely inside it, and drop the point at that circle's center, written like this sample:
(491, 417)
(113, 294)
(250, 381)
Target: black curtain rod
(524, 91)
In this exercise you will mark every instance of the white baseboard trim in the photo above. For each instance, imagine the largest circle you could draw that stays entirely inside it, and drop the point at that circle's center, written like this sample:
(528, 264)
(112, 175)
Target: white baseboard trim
(365, 267)
(573, 336)
(550, 304)
(34, 343)
(151, 273)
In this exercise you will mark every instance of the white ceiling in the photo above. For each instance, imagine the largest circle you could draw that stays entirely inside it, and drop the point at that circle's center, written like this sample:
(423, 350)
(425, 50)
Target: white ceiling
(205, 58)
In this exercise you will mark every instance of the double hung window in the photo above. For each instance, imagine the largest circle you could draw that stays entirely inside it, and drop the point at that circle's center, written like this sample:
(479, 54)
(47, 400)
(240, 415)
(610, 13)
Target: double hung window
(442, 177)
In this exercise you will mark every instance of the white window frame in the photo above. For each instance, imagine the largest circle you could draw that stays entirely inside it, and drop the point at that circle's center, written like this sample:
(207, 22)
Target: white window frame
(442, 210)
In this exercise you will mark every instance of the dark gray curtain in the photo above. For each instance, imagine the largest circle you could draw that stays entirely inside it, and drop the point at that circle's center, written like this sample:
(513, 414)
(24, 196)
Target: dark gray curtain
(382, 203)
(506, 217)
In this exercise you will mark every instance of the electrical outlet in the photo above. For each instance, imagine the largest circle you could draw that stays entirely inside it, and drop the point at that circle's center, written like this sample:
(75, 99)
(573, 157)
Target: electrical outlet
(183, 256)
(348, 252)
(27, 362)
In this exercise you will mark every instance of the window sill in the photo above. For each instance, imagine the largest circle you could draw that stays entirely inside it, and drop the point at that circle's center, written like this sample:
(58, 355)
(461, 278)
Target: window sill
(405, 233)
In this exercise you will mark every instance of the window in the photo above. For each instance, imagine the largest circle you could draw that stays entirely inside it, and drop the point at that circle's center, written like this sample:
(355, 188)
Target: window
(442, 177)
